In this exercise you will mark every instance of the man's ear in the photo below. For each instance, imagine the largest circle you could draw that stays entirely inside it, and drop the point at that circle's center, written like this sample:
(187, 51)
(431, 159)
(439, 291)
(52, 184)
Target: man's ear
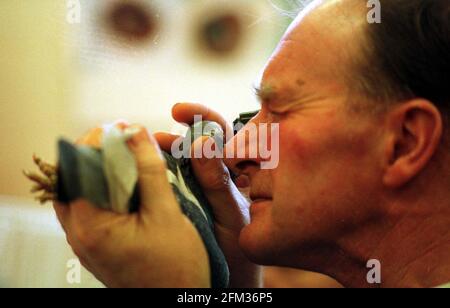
(414, 131)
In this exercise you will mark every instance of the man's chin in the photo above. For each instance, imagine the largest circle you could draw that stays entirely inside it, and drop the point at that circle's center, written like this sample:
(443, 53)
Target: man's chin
(256, 245)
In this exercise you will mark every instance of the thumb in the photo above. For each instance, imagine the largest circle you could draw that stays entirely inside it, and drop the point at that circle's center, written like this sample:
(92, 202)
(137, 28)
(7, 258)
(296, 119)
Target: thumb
(229, 206)
(156, 193)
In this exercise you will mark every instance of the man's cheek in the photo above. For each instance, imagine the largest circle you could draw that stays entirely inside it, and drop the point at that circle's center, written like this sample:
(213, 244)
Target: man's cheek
(286, 175)
(294, 149)
(269, 145)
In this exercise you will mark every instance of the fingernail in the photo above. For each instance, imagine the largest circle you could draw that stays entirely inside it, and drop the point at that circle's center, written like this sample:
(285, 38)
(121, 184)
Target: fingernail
(242, 181)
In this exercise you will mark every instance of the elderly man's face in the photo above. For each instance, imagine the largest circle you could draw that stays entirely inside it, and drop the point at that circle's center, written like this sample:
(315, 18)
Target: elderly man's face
(328, 173)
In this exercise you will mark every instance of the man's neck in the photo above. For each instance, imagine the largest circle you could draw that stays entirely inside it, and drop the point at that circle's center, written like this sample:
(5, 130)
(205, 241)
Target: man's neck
(411, 245)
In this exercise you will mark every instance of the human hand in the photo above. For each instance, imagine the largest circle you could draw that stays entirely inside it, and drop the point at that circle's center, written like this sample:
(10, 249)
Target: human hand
(230, 207)
(156, 247)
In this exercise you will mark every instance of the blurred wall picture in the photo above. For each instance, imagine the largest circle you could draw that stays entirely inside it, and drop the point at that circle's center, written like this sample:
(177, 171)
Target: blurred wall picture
(69, 65)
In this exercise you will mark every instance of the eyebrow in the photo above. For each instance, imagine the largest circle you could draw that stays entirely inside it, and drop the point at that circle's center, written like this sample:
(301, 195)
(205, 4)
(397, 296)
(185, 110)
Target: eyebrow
(264, 93)
(267, 93)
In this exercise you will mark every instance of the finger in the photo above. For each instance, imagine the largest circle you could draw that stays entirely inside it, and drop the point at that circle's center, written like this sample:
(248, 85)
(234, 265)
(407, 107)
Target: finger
(92, 138)
(214, 176)
(165, 140)
(121, 124)
(157, 197)
(229, 206)
(89, 217)
(185, 112)
(242, 181)
(92, 229)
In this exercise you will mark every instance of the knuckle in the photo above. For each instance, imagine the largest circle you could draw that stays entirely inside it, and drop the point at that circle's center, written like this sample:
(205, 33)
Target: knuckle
(83, 262)
(86, 239)
(77, 251)
(150, 165)
(81, 258)
(217, 181)
(76, 248)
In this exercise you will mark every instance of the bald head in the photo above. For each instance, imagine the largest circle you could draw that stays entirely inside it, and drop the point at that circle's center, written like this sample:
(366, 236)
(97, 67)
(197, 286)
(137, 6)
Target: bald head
(324, 42)
(405, 56)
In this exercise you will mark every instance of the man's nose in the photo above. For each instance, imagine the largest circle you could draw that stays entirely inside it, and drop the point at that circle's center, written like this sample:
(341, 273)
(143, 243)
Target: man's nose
(242, 151)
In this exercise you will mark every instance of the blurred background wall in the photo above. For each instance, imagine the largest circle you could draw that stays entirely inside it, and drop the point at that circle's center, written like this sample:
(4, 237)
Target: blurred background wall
(67, 66)
(62, 74)
(33, 77)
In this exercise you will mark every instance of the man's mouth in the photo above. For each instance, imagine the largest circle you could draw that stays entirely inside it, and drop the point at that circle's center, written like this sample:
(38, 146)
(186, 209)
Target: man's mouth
(257, 200)
(259, 197)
